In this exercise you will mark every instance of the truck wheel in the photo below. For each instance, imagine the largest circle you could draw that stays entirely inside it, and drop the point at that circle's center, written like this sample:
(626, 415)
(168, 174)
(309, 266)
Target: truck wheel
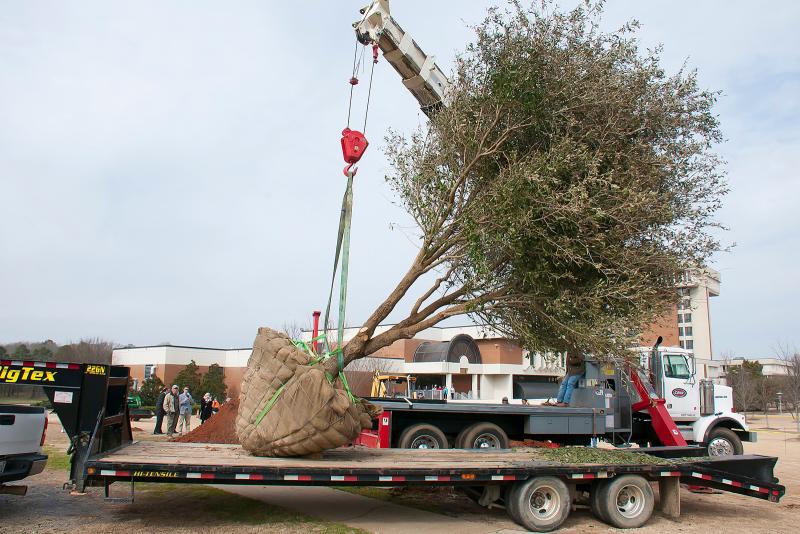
(482, 436)
(723, 442)
(594, 500)
(626, 501)
(423, 436)
(540, 504)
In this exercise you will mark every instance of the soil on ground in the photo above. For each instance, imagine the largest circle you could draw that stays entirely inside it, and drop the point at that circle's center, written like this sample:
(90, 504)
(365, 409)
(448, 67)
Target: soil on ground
(220, 428)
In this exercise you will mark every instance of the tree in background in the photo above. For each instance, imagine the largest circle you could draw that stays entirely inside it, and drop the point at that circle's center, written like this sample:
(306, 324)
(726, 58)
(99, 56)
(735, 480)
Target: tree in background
(745, 380)
(3, 351)
(89, 350)
(213, 382)
(790, 385)
(21, 352)
(189, 377)
(150, 390)
(42, 352)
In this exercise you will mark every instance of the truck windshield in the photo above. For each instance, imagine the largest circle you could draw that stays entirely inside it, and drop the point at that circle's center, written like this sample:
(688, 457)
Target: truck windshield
(676, 366)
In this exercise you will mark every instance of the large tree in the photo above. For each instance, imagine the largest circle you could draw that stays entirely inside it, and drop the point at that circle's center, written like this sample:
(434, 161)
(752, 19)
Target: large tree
(566, 182)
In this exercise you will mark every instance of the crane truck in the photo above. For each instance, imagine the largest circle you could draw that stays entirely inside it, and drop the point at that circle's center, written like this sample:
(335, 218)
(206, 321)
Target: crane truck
(662, 403)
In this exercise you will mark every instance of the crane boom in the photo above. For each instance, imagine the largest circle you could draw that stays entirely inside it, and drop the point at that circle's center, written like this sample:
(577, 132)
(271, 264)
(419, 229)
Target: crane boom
(419, 71)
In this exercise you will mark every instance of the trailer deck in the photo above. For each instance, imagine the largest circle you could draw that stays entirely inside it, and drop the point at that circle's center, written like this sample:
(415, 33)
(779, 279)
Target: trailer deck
(230, 464)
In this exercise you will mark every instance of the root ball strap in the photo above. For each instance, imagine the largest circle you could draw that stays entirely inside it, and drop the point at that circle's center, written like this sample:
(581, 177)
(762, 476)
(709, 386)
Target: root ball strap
(343, 253)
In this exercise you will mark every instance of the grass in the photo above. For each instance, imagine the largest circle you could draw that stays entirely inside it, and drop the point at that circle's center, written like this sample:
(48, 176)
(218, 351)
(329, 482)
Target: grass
(57, 458)
(411, 497)
(381, 494)
(217, 506)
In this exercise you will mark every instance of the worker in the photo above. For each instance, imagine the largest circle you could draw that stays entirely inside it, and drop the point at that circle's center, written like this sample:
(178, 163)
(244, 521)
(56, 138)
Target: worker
(160, 411)
(576, 368)
(171, 407)
(186, 408)
(205, 408)
(215, 405)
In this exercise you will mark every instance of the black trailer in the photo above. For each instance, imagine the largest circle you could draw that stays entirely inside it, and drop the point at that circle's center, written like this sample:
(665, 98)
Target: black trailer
(91, 402)
(537, 494)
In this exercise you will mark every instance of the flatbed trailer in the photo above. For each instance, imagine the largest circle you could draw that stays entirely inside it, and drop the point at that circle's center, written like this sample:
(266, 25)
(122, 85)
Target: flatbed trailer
(509, 478)
(91, 402)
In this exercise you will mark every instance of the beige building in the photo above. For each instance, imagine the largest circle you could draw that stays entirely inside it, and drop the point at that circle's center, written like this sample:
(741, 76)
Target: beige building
(688, 324)
(166, 361)
(473, 362)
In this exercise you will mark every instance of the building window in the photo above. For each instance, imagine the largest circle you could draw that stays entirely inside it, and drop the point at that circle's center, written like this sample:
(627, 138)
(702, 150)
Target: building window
(149, 371)
(687, 317)
(680, 331)
(682, 344)
(688, 330)
(689, 344)
(680, 318)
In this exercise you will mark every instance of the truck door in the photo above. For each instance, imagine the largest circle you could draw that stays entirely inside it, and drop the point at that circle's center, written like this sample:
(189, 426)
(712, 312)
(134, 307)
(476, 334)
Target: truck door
(681, 390)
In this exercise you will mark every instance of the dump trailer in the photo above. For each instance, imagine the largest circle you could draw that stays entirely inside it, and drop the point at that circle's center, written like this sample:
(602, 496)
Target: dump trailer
(91, 401)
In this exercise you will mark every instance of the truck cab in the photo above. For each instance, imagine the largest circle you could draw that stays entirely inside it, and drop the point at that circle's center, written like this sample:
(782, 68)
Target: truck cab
(702, 409)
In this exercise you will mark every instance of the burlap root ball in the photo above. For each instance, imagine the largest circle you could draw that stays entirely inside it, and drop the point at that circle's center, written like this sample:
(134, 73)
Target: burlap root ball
(309, 416)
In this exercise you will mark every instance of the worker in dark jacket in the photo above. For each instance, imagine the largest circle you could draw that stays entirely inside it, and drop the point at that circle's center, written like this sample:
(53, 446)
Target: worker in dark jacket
(205, 408)
(160, 411)
(576, 368)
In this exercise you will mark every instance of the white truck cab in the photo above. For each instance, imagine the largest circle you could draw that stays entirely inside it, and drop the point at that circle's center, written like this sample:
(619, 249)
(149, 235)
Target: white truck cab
(702, 409)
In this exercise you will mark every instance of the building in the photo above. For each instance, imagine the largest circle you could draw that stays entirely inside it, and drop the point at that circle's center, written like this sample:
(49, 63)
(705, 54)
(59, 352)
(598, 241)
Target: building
(473, 362)
(166, 361)
(688, 324)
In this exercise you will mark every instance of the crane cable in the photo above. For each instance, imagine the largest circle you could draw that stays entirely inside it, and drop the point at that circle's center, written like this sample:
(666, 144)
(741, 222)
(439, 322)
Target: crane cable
(353, 146)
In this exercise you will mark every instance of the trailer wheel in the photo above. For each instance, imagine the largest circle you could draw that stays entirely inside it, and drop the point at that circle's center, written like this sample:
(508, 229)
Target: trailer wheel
(723, 442)
(540, 504)
(423, 436)
(483, 435)
(626, 501)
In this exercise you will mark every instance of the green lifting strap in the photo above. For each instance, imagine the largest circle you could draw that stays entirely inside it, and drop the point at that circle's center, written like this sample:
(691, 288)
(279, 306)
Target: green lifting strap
(343, 252)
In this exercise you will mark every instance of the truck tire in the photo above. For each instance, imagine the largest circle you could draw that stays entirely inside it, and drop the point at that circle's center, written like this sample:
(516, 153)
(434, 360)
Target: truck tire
(482, 435)
(723, 442)
(626, 501)
(594, 500)
(423, 436)
(540, 504)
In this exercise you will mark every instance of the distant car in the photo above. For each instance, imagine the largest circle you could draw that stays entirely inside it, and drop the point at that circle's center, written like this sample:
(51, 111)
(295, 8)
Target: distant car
(22, 433)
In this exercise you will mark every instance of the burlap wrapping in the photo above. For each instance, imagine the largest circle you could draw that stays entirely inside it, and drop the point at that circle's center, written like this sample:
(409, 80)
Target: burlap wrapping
(310, 415)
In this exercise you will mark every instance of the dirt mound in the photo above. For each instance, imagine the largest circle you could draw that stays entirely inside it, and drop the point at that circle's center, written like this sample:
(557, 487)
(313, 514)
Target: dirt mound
(221, 428)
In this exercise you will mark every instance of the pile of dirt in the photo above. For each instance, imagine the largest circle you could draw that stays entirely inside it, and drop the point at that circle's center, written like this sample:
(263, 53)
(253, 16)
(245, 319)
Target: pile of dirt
(221, 428)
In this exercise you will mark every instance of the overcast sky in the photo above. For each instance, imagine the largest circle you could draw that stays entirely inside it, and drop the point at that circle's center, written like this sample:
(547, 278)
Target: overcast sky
(171, 171)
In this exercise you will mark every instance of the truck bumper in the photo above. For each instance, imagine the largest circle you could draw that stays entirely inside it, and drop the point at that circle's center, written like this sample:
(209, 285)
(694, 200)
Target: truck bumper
(744, 435)
(21, 466)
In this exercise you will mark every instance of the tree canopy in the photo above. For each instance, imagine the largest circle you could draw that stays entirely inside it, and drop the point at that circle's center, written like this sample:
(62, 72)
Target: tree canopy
(566, 182)
(189, 377)
(214, 382)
